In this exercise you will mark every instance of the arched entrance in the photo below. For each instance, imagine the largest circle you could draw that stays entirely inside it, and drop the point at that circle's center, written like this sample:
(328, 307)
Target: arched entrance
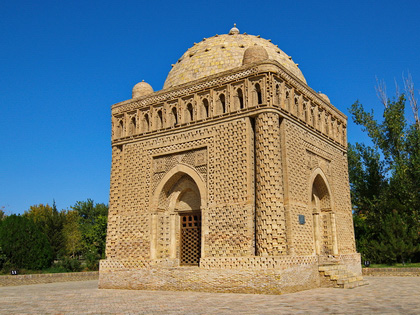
(323, 217)
(187, 205)
(180, 197)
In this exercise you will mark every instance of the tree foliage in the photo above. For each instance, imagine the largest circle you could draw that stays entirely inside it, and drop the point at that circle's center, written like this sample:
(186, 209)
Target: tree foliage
(72, 234)
(385, 184)
(23, 244)
(2, 214)
(51, 222)
(75, 238)
(93, 225)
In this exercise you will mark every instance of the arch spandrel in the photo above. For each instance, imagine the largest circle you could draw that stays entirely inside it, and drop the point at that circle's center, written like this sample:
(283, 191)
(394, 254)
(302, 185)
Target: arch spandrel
(170, 179)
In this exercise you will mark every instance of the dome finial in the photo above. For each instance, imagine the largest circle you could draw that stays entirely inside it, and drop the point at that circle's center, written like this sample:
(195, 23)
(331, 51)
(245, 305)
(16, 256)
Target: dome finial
(233, 30)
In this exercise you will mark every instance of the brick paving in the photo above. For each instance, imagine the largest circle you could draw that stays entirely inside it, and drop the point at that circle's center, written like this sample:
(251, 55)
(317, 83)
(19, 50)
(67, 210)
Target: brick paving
(384, 295)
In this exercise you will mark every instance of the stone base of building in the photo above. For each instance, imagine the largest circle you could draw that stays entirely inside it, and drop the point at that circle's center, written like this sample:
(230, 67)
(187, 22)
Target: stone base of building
(256, 275)
(213, 280)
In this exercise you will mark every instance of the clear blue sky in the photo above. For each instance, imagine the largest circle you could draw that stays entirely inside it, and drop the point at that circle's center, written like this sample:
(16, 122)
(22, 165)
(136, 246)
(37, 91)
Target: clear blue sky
(63, 64)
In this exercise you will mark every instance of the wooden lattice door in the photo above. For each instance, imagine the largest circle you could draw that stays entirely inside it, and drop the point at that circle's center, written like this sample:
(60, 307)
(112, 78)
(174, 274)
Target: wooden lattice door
(326, 245)
(190, 238)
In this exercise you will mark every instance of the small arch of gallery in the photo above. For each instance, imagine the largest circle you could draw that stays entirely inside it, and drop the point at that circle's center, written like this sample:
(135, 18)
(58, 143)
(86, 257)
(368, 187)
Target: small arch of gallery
(226, 100)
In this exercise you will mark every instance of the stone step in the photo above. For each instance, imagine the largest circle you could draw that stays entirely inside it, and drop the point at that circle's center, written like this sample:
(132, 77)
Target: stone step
(331, 268)
(355, 284)
(341, 277)
(337, 272)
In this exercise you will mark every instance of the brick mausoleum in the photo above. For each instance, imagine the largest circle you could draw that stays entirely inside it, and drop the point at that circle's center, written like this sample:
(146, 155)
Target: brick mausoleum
(232, 178)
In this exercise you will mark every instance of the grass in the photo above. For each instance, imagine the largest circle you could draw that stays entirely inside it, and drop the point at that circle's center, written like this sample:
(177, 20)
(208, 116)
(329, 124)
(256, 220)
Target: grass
(406, 265)
(29, 272)
(55, 268)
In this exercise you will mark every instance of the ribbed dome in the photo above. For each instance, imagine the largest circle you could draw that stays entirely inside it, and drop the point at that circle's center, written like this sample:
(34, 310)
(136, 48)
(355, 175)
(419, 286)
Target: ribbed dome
(220, 53)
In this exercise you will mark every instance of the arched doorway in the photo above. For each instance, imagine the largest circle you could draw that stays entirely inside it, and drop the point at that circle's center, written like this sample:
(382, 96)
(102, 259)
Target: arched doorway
(179, 197)
(323, 218)
(187, 205)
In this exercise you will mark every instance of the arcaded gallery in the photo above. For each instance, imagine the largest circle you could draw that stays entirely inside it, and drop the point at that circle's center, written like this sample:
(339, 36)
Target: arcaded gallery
(232, 178)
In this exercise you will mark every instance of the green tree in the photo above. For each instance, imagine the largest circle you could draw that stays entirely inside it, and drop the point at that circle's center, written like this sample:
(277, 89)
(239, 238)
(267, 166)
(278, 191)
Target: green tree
(51, 222)
(3, 259)
(93, 227)
(89, 212)
(23, 244)
(385, 184)
(72, 234)
(368, 186)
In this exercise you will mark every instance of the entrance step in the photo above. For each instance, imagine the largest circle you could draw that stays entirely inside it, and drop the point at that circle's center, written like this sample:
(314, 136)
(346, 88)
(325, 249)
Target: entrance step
(338, 276)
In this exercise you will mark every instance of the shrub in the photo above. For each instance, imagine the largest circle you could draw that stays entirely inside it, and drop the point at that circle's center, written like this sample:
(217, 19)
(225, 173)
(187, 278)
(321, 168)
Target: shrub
(71, 264)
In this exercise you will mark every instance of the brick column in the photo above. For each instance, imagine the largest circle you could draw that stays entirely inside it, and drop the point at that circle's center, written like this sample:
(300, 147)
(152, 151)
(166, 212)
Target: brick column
(173, 221)
(154, 236)
(269, 216)
(117, 168)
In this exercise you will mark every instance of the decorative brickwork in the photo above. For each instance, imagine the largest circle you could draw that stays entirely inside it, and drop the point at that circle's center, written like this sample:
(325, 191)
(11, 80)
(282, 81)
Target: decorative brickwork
(270, 217)
(246, 150)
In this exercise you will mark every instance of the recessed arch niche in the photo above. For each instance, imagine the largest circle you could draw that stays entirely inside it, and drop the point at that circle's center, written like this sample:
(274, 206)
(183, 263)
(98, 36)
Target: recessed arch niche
(180, 201)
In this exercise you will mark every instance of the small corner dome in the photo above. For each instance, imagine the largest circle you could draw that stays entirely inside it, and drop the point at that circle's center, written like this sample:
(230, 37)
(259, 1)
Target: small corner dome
(324, 97)
(141, 89)
(254, 53)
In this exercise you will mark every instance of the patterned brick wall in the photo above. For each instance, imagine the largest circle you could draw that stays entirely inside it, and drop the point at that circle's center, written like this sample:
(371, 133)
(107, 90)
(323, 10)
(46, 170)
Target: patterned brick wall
(230, 209)
(298, 177)
(225, 165)
(307, 152)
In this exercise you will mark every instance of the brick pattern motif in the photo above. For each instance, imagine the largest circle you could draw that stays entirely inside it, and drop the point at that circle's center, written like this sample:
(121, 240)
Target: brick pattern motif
(344, 218)
(114, 195)
(272, 262)
(230, 231)
(270, 219)
(194, 158)
(229, 164)
(230, 219)
(163, 236)
(299, 195)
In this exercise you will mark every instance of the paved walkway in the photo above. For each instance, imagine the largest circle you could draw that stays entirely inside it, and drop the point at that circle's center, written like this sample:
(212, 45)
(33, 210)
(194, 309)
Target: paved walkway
(384, 295)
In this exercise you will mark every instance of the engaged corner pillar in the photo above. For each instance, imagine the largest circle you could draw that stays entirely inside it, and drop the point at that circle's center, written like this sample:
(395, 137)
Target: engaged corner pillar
(334, 234)
(269, 208)
(172, 235)
(153, 236)
(317, 233)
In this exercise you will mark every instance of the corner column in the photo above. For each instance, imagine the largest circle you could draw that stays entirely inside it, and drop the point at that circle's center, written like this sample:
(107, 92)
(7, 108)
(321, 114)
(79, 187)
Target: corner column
(269, 208)
(334, 234)
(153, 236)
